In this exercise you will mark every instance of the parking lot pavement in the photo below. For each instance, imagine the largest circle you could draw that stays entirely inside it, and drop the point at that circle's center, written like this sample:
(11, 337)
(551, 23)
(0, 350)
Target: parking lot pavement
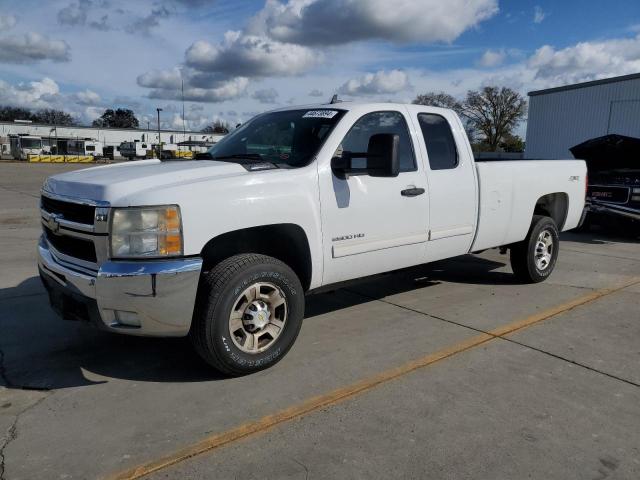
(559, 399)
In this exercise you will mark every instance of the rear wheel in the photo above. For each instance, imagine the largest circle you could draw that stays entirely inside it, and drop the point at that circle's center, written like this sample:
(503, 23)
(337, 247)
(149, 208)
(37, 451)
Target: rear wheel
(248, 313)
(534, 259)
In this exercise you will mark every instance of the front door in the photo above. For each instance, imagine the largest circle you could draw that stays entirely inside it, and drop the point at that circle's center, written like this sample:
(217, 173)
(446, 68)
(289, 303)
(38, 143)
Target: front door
(372, 225)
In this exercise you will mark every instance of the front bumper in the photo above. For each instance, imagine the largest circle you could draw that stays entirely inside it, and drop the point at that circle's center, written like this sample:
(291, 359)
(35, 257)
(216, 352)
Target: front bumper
(150, 298)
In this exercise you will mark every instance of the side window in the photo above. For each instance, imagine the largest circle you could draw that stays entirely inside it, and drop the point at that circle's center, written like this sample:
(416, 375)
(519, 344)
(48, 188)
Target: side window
(357, 140)
(441, 146)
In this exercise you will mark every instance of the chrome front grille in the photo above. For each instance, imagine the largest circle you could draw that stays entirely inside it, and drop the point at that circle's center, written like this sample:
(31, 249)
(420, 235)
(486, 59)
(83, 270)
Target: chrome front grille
(74, 212)
(76, 230)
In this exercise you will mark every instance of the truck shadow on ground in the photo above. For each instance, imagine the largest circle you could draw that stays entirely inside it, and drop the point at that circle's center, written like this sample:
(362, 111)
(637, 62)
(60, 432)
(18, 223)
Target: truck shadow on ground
(39, 351)
(605, 232)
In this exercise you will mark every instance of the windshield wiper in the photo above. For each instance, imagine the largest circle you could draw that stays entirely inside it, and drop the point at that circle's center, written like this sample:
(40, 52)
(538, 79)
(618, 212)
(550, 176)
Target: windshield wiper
(240, 156)
(255, 160)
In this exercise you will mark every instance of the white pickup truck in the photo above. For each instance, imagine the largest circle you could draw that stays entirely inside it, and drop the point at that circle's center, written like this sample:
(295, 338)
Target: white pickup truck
(224, 249)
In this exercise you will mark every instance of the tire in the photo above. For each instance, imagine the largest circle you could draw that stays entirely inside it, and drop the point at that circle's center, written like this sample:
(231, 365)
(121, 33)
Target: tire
(227, 299)
(534, 259)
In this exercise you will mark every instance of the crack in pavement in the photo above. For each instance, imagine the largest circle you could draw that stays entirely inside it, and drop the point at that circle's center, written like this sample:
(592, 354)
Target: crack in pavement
(12, 434)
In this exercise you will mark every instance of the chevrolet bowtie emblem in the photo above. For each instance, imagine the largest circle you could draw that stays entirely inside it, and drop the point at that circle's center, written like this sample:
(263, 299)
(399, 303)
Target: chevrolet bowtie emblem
(53, 222)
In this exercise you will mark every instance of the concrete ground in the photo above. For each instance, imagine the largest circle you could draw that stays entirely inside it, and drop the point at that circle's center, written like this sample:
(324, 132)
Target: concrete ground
(557, 398)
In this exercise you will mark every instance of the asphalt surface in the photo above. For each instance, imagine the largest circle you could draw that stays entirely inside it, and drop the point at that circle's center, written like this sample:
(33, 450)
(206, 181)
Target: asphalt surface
(387, 380)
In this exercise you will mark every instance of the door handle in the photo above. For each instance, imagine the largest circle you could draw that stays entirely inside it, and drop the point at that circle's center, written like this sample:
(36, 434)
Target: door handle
(412, 192)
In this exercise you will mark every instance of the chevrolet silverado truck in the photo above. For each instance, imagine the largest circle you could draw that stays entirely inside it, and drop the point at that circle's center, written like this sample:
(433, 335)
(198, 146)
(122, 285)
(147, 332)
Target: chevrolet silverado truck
(224, 249)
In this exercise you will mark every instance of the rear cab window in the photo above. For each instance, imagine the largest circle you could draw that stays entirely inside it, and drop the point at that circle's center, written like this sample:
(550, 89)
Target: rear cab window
(438, 138)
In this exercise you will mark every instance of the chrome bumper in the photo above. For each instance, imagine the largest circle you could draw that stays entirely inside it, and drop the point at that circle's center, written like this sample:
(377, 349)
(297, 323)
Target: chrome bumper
(150, 298)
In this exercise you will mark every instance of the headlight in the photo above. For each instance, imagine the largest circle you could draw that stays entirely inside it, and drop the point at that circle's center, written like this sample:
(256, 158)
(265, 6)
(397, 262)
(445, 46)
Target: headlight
(146, 232)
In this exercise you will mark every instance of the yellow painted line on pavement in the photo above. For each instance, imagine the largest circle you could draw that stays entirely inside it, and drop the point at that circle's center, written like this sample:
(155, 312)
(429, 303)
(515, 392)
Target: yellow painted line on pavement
(341, 394)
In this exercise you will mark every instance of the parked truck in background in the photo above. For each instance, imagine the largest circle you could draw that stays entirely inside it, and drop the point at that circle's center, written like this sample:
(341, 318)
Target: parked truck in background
(135, 150)
(24, 145)
(613, 162)
(84, 147)
(224, 249)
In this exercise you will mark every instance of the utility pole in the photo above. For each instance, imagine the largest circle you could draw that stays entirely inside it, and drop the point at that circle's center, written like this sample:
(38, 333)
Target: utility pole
(183, 124)
(159, 140)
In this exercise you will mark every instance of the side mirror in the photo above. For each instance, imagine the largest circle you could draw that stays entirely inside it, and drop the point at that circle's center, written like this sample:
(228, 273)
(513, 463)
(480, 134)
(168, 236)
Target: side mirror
(381, 158)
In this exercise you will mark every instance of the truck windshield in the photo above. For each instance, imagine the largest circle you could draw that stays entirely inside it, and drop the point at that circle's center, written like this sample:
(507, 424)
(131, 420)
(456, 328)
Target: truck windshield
(31, 143)
(289, 138)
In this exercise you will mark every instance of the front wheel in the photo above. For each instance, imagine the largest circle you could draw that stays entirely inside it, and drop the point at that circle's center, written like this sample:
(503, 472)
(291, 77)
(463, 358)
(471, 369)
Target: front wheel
(248, 314)
(534, 259)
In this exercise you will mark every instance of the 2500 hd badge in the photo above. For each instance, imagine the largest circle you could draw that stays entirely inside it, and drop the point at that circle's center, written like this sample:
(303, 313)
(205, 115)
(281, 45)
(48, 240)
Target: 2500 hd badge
(348, 237)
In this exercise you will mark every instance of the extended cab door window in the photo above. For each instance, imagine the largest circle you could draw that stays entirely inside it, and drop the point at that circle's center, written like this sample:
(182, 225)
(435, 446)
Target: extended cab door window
(357, 140)
(438, 138)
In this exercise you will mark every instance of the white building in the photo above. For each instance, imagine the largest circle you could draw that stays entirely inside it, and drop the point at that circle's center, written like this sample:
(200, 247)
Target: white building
(110, 137)
(561, 118)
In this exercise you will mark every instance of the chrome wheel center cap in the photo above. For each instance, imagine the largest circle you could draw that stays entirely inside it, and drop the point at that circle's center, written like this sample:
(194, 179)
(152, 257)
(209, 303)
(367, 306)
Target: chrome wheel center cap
(256, 316)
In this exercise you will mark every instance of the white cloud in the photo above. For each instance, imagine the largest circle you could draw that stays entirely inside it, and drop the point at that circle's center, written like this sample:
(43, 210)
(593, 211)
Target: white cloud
(219, 92)
(332, 22)
(87, 97)
(587, 60)
(74, 14)
(492, 58)
(33, 47)
(381, 82)
(316, 93)
(198, 86)
(33, 95)
(539, 14)
(7, 22)
(251, 56)
(267, 95)
(165, 79)
(145, 24)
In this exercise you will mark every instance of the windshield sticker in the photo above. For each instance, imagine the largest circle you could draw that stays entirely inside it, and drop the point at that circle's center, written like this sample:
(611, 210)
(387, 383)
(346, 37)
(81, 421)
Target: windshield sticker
(320, 114)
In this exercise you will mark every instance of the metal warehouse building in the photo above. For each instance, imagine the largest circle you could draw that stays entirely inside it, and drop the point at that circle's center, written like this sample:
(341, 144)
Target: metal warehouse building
(108, 136)
(560, 118)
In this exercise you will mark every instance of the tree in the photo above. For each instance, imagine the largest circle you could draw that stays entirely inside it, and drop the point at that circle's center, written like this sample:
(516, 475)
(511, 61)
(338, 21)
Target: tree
(9, 114)
(54, 117)
(494, 112)
(219, 126)
(120, 118)
(444, 100)
(439, 99)
(512, 144)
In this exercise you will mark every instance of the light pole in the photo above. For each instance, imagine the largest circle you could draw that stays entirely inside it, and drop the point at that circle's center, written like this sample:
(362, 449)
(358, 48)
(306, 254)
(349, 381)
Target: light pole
(159, 141)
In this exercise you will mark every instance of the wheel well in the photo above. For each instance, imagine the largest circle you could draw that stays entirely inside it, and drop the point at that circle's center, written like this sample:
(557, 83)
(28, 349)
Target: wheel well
(286, 242)
(554, 205)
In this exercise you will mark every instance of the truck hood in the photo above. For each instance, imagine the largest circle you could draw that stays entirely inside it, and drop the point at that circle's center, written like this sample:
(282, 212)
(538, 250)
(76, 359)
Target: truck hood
(111, 182)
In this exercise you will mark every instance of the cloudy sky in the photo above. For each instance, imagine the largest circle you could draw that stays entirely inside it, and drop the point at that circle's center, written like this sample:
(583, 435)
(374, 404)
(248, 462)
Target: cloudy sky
(237, 58)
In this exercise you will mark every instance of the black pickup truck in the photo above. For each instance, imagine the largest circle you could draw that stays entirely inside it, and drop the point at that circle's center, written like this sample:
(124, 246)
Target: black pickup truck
(613, 162)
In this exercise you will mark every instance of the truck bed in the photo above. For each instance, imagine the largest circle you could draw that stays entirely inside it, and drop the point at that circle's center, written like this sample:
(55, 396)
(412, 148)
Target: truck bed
(509, 191)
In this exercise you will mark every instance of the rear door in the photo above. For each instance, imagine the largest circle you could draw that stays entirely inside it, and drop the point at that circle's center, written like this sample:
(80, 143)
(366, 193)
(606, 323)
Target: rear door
(453, 195)
(372, 225)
